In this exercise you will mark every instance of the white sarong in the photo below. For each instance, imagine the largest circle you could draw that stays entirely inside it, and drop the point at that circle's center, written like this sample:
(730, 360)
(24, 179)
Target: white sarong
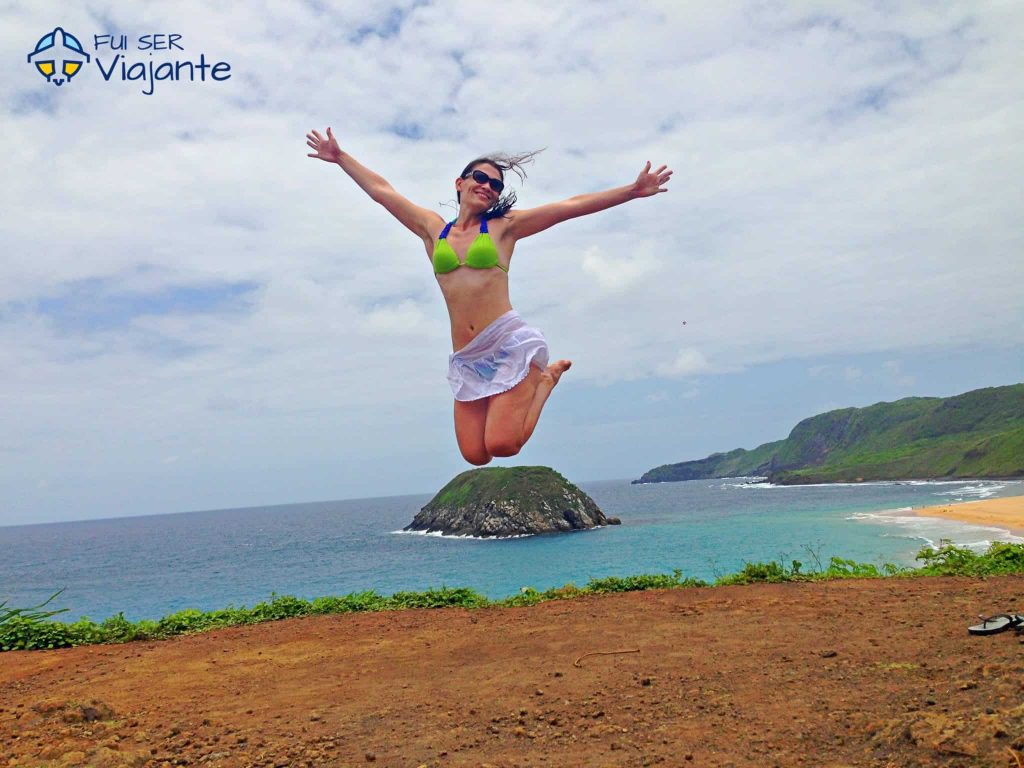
(497, 359)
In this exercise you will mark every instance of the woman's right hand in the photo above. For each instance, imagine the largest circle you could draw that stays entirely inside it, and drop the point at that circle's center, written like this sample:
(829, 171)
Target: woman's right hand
(326, 149)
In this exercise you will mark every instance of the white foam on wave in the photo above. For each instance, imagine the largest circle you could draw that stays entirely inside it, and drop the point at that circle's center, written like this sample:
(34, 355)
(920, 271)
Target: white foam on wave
(441, 535)
(743, 482)
(938, 482)
(766, 484)
(969, 488)
(980, 491)
(932, 530)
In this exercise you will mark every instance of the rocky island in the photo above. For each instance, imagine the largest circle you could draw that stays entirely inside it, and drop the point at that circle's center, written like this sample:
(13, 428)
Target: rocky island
(499, 502)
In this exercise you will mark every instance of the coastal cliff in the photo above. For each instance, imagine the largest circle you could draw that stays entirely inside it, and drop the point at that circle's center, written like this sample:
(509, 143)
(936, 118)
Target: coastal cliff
(978, 434)
(509, 501)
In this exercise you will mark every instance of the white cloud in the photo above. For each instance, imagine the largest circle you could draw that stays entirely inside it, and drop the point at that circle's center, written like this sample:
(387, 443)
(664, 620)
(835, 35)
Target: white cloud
(406, 318)
(618, 272)
(687, 362)
(895, 370)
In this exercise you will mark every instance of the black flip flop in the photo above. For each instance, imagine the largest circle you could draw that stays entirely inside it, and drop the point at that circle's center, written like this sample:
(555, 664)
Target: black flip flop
(998, 623)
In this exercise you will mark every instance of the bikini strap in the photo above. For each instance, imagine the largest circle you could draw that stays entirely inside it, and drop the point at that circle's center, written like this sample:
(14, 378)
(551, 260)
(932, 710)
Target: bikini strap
(448, 226)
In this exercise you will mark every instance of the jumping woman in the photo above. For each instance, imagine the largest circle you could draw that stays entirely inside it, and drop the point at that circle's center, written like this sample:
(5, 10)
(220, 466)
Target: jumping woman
(499, 371)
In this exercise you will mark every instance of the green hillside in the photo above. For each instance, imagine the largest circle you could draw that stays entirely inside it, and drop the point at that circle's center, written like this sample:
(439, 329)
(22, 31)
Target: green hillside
(974, 435)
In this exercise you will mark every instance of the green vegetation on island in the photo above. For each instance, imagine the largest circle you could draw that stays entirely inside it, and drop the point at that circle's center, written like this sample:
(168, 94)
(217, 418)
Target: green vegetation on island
(28, 629)
(499, 483)
(979, 434)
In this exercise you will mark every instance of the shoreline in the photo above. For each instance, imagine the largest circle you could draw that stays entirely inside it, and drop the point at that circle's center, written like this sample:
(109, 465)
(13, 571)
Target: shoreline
(1004, 512)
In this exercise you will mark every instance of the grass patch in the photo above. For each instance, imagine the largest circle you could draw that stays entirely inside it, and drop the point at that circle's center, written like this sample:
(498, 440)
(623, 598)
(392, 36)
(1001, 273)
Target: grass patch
(30, 628)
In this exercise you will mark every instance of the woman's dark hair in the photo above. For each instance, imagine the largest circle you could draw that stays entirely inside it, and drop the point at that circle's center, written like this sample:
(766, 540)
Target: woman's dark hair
(503, 163)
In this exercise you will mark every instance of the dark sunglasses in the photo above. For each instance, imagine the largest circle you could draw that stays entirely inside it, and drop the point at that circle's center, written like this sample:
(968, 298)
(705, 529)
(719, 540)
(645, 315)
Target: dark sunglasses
(482, 178)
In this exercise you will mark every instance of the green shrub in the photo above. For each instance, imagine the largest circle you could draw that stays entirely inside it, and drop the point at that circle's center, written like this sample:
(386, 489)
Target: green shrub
(27, 628)
(949, 560)
(839, 568)
(357, 601)
(753, 573)
(182, 622)
(117, 629)
(438, 598)
(642, 581)
(17, 634)
(281, 607)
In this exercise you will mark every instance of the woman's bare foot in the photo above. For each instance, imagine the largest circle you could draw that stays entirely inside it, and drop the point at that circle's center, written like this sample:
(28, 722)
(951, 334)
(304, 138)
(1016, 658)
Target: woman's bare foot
(555, 370)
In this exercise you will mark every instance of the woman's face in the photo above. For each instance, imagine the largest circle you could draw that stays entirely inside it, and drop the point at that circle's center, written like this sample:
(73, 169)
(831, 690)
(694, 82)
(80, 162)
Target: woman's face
(474, 193)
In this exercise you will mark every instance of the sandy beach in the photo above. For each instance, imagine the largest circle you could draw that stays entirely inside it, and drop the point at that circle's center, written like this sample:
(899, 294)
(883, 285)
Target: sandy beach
(1003, 513)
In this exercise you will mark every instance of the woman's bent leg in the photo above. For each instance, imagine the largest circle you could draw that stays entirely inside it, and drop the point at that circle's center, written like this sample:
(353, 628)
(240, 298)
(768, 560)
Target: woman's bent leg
(470, 421)
(512, 416)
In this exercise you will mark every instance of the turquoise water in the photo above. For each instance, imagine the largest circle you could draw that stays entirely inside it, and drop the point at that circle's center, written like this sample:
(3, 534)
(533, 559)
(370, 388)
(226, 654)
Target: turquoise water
(150, 566)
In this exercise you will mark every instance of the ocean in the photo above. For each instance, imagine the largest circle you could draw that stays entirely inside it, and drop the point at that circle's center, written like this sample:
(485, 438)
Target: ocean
(151, 566)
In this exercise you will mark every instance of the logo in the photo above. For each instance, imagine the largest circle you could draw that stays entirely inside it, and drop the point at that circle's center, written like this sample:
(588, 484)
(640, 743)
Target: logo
(58, 56)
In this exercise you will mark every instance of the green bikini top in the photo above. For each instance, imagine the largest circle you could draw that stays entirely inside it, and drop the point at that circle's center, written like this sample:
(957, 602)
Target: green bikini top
(482, 253)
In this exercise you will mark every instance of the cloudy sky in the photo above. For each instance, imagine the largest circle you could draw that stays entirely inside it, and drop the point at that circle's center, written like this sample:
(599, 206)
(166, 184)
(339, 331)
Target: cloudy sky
(195, 315)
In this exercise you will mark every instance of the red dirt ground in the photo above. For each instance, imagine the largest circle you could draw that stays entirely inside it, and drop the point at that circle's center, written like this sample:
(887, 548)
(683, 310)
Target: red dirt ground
(857, 673)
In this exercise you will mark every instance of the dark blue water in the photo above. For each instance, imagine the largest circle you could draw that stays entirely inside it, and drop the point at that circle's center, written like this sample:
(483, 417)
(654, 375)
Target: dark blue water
(148, 567)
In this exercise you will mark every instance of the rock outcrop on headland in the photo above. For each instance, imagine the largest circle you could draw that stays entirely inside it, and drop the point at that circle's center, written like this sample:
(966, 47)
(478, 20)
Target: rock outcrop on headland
(509, 501)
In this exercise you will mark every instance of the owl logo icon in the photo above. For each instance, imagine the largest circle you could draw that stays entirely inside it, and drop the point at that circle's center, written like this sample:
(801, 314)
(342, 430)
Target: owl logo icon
(58, 56)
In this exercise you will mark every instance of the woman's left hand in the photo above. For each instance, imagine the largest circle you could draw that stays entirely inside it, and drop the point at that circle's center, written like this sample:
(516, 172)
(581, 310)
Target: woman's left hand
(648, 183)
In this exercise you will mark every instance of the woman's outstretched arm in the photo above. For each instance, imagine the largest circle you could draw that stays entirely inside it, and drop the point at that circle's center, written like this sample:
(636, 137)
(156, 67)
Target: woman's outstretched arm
(418, 220)
(533, 220)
